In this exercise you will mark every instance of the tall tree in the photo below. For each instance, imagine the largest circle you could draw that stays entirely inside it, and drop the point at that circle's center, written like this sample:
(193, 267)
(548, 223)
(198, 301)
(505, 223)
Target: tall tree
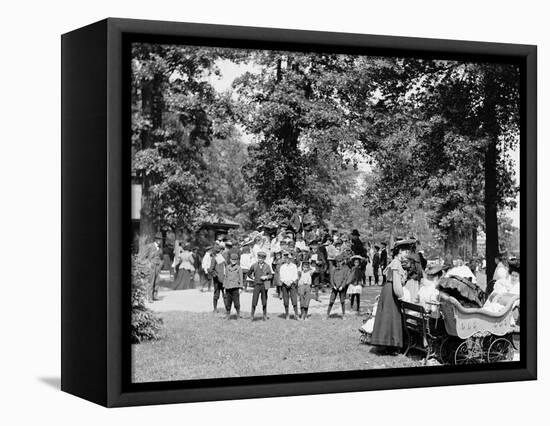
(462, 120)
(176, 114)
(291, 106)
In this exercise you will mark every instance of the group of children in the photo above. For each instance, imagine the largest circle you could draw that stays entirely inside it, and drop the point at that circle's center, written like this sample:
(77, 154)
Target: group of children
(295, 269)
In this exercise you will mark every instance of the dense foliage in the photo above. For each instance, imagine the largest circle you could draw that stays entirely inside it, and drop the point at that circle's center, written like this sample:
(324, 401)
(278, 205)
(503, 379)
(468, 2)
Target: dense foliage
(390, 146)
(447, 130)
(176, 113)
(145, 325)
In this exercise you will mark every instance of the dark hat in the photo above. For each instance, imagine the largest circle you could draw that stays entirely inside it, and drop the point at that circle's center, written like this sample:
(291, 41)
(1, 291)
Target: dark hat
(229, 243)
(513, 266)
(435, 269)
(405, 243)
(233, 256)
(314, 242)
(376, 246)
(262, 254)
(355, 232)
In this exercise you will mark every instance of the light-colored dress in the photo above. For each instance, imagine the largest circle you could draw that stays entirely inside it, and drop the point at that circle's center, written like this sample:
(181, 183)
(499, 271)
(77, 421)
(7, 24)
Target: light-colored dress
(427, 295)
(185, 276)
(462, 271)
(501, 272)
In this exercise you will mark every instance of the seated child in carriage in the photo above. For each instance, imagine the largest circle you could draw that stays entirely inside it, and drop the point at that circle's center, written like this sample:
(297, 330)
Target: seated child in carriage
(428, 294)
(504, 291)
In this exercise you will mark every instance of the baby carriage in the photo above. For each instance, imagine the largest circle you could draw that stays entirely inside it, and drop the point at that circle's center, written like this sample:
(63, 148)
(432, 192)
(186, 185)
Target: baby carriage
(475, 335)
(460, 332)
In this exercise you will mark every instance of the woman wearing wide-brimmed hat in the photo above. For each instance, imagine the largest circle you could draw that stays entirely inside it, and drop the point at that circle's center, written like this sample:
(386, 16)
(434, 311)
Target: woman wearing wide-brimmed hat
(388, 328)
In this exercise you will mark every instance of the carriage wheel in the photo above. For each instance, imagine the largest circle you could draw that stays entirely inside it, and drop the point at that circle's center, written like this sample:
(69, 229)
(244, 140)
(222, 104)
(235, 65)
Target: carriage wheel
(500, 350)
(486, 342)
(469, 352)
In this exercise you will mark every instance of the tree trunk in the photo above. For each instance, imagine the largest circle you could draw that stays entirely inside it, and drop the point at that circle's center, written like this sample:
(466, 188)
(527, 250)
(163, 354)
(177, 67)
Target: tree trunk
(490, 201)
(152, 106)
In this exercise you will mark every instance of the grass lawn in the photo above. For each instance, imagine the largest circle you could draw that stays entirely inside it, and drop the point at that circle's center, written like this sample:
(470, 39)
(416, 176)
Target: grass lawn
(197, 345)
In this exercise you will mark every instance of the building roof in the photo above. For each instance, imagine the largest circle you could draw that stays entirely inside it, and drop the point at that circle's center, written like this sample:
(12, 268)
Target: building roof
(217, 221)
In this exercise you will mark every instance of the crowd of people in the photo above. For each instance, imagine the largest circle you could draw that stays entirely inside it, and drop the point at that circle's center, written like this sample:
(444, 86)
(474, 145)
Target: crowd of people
(297, 263)
(298, 259)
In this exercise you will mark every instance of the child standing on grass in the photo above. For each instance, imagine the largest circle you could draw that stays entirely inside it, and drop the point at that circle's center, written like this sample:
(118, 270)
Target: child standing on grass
(232, 285)
(289, 284)
(247, 260)
(356, 281)
(276, 268)
(338, 281)
(304, 288)
(261, 274)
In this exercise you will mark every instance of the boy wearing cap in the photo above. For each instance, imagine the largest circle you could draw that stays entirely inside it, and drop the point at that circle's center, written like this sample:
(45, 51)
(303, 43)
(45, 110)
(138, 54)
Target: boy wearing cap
(304, 288)
(288, 274)
(339, 281)
(261, 274)
(232, 284)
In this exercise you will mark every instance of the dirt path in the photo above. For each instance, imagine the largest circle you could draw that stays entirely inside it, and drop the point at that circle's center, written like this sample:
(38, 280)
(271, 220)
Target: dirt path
(194, 300)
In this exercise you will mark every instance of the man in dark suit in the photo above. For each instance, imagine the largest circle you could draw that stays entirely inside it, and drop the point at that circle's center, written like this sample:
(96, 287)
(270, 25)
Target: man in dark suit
(318, 260)
(376, 264)
(383, 261)
(296, 221)
(153, 254)
(357, 246)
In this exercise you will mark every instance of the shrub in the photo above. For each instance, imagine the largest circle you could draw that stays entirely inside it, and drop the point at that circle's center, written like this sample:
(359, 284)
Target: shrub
(146, 325)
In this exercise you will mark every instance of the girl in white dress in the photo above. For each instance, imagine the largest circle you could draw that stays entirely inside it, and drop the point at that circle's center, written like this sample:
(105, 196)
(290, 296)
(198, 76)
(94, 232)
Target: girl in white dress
(356, 282)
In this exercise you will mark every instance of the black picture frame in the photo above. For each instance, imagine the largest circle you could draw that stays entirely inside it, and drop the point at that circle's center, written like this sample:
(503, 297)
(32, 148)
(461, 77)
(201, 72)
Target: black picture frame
(95, 346)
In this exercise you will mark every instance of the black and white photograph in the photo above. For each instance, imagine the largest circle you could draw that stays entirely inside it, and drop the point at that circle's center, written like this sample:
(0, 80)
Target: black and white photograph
(307, 212)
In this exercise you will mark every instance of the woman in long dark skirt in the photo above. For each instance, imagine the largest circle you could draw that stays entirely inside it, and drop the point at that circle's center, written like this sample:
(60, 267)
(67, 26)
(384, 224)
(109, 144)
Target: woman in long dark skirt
(186, 271)
(388, 327)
